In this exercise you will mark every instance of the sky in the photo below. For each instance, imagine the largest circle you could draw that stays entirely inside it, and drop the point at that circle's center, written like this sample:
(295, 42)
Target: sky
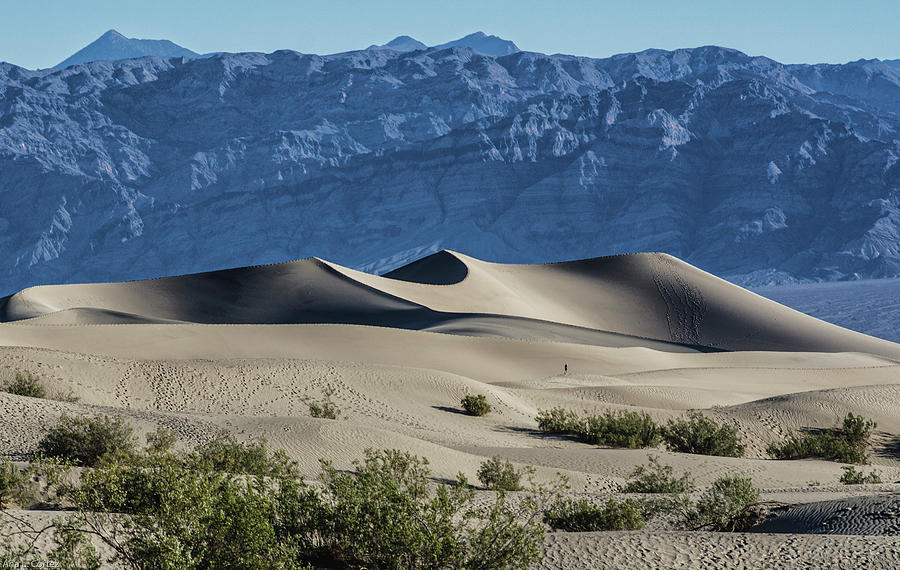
(41, 33)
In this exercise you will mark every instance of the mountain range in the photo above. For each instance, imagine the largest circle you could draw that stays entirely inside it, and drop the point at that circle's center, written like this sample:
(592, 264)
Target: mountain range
(754, 170)
(113, 46)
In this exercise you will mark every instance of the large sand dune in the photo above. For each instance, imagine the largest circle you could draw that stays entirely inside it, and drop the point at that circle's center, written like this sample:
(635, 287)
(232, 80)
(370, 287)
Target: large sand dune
(244, 349)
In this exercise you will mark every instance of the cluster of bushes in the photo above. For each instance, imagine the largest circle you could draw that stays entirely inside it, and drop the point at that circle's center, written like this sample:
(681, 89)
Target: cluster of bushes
(475, 404)
(845, 444)
(730, 504)
(616, 429)
(230, 504)
(694, 434)
(29, 385)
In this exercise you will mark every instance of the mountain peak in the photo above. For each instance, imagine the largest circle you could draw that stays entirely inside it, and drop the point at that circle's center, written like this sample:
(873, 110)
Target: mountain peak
(402, 43)
(484, 44)
(112, 45)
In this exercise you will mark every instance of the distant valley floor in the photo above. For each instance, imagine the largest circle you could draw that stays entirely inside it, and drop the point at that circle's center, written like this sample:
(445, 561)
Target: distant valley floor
(869, 306)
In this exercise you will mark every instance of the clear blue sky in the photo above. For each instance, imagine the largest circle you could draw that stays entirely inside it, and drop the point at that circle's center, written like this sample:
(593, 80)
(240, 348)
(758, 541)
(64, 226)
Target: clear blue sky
(41, 33)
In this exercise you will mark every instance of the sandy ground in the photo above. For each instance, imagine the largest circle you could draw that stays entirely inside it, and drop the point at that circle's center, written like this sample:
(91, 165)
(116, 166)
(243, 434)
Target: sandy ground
(244, 350)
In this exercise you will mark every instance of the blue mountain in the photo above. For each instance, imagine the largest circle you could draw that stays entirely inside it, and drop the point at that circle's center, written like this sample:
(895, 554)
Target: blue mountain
(113, 46)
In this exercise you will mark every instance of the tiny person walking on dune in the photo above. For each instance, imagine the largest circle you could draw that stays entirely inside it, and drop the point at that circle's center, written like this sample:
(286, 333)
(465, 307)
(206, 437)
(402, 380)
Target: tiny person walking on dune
(565, 368)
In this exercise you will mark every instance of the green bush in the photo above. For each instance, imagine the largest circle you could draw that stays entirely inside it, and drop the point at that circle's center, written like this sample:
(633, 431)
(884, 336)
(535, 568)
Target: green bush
(11, 481)
(233, 505)
(583, 516)
(622, 428)
(85, 441)
(704, 436)
(26, 384)
(558, 420)
(658, 478)
(475, 405)
(730, 505)
(326, 409)
(845, 444)
(499, 475)
(224, 453)
(853, 477)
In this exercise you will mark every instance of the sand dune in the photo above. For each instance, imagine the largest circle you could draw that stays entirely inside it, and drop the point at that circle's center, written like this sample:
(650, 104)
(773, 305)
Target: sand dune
(642, 296)
(246, 349)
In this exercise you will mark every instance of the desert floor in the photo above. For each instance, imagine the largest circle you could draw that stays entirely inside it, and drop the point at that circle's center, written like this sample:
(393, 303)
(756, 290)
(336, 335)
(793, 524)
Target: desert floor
(245, 349)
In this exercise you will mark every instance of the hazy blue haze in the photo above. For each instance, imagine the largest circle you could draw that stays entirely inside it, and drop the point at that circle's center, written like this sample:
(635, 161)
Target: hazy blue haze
(41, 33)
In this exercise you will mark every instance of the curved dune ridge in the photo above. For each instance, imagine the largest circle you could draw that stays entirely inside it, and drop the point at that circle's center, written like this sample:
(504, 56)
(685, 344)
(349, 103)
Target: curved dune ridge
(647, 298)
(247, 349)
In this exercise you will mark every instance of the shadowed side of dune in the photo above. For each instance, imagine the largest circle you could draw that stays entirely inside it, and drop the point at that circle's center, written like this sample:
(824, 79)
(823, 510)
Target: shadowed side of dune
(441, 268)
(306, 291)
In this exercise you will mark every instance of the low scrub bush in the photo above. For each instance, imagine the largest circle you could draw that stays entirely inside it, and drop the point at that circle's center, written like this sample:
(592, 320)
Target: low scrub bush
(326, 409)
(87, 441)
(12, 481)
(622, 428)
(729, 505)
(475, 405)
(225, 453)
(845, 444)
(702, 435)
(558, 420)
(499, 475)
(26, 384)
(658, 478)
(852, 476)
(582, 516)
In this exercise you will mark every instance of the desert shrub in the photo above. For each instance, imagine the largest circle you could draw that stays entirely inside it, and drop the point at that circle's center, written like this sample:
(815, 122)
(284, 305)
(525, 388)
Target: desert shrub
(852, 476)
(845, 444)
(582, 516)
(183, 511)
(558, 420)
(701, 435)
(476, 405)
(729, 505)
(620, 429)
(161, 441)
(325, 409)
(26, 384)
(11, 481)
(386, 515)
(85, 441)
(225, 453)
(499, 475)
(658, 478)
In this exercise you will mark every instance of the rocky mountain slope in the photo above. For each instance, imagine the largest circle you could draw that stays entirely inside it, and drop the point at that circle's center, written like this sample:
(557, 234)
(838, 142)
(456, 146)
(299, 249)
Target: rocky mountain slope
(751, 169)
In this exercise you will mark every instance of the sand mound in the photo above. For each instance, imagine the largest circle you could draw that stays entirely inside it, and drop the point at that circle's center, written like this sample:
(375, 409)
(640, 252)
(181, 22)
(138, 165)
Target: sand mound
(653, 297)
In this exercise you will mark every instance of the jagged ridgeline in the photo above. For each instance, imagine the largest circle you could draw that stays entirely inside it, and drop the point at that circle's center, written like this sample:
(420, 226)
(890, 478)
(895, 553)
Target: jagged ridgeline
(753, 170)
